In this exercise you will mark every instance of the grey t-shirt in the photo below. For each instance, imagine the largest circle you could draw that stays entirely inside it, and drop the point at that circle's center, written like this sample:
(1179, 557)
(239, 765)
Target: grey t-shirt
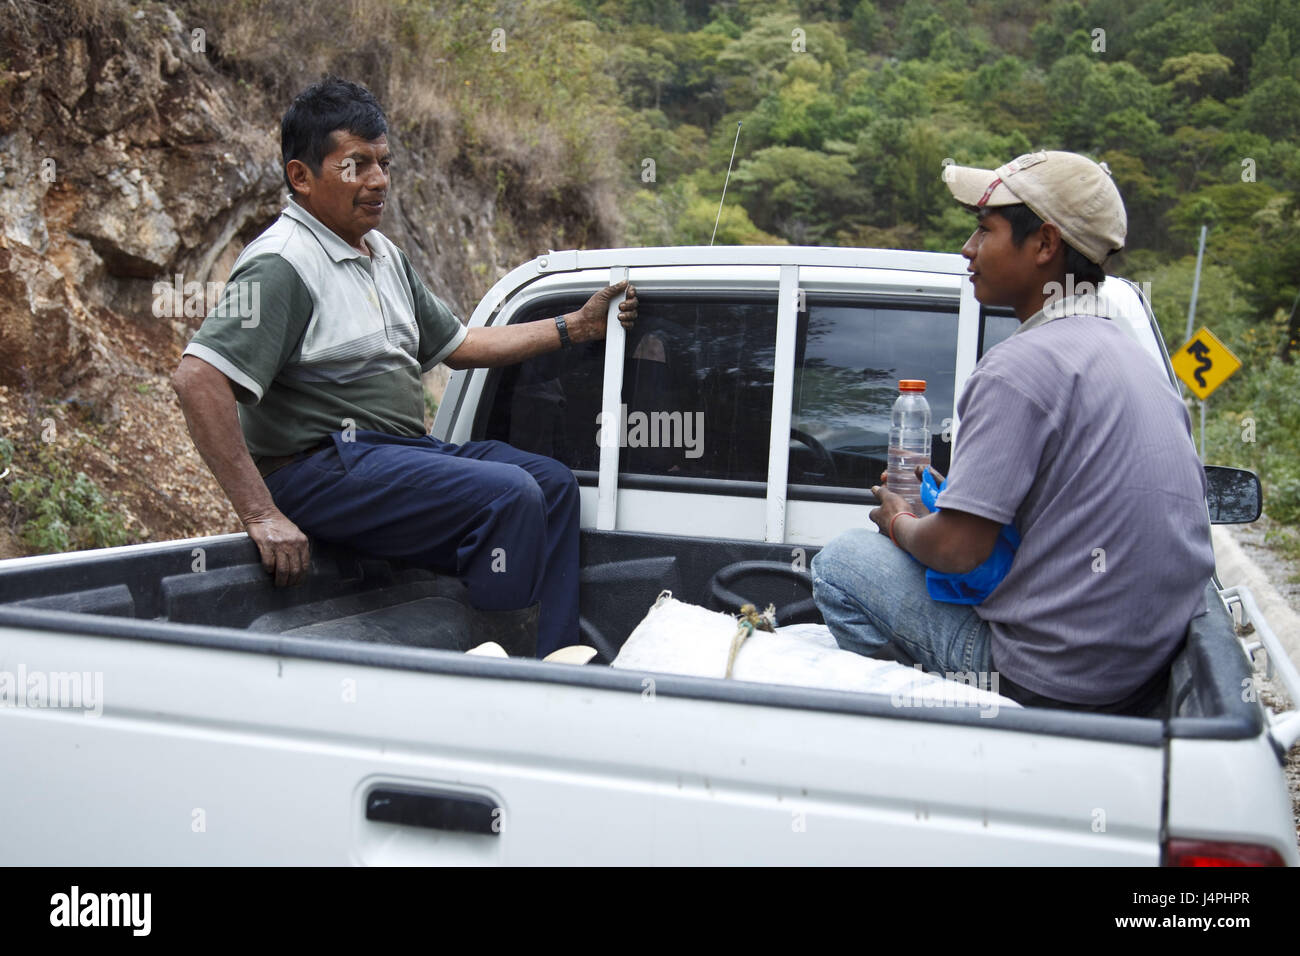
(1070, 432)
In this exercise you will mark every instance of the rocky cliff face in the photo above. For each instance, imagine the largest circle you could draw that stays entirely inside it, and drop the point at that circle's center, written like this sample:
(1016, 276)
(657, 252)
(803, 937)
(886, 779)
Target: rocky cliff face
(130, 158)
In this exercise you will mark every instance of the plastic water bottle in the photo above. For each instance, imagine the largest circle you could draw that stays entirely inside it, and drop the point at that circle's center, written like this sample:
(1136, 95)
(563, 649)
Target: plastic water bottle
(909, 440)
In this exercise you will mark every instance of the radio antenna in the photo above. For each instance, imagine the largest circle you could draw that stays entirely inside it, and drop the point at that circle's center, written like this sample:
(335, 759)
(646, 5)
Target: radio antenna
(724, 185)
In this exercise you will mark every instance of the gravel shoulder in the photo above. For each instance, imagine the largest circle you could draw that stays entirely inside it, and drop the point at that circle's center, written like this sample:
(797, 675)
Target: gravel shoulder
(1275, 698)
(1275, 582)
(1281, 572)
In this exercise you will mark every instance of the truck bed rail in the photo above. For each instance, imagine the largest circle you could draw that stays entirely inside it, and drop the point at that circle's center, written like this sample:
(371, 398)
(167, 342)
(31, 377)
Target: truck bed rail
(1284, 728)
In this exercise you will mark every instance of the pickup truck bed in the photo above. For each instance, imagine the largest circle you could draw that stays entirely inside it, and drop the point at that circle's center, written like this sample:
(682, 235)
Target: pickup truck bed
(358, 616)
(354, 607)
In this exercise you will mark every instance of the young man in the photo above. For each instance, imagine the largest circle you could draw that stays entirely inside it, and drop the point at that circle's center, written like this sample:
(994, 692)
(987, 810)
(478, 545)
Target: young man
(321, 336)
(1069, 433)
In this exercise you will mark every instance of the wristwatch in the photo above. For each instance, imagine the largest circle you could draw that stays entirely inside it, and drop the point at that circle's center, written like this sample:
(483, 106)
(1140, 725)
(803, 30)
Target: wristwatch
(565, 341)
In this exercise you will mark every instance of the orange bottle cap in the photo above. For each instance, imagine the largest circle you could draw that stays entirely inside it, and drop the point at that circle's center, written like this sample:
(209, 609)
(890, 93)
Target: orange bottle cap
(911, 385)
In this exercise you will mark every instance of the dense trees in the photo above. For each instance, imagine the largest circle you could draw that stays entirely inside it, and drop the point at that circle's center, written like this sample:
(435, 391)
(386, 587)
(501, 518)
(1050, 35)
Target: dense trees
(850, 108)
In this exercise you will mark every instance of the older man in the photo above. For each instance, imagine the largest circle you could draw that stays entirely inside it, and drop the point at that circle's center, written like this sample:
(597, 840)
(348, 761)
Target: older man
(325, 367)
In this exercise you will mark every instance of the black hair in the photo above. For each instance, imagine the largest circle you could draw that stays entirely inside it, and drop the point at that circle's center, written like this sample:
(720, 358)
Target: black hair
(1025, 222)
(306, 132)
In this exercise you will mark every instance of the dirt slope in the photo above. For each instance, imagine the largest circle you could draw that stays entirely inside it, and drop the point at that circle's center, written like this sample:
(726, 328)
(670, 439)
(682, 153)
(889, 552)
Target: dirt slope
(127, 159)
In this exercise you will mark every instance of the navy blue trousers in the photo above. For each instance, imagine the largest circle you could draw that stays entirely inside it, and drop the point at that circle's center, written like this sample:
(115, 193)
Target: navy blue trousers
(502, 520)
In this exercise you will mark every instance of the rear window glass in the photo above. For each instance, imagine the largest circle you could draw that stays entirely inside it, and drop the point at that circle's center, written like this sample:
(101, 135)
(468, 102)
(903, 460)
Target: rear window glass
(850, 355)
(697, 391)
(996, 325)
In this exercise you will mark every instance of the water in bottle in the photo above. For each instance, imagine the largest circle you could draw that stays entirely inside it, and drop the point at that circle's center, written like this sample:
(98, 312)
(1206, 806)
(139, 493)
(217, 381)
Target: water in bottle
(909, 440)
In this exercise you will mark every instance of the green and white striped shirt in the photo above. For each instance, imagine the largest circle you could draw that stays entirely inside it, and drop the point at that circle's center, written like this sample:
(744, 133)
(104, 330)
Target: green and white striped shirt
(312, 334)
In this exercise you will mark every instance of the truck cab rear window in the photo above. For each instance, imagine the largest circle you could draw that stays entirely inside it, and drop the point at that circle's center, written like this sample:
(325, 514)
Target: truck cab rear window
(996, 326)
(850, 354)
(698, 385)
(697, 391)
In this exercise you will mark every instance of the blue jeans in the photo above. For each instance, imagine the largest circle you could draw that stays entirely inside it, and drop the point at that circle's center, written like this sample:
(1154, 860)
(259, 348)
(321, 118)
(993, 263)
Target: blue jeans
(873, 597)
(502, 520)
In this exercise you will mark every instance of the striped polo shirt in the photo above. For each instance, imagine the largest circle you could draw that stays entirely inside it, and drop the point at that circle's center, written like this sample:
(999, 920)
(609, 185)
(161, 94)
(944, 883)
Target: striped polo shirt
(316, 337)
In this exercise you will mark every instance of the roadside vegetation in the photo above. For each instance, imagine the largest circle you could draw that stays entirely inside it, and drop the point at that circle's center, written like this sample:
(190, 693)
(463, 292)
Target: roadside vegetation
(55, 508)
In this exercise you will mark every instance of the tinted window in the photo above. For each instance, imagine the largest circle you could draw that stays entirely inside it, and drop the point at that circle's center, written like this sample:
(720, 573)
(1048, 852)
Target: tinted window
(547, 404)
(850, 356)
(998, 325)
(698, 388)
(697, 391)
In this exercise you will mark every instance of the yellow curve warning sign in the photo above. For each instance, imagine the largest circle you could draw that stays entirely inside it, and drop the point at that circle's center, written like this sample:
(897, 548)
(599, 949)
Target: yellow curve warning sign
(1204, 363)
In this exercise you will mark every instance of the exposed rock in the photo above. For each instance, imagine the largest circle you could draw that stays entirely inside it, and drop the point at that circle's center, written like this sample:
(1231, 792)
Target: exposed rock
(22, 190)
(125, 221)
(130, 156)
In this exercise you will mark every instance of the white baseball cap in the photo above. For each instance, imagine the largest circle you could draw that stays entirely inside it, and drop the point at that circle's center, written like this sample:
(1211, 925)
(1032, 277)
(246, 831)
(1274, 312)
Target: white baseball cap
(1066, 189)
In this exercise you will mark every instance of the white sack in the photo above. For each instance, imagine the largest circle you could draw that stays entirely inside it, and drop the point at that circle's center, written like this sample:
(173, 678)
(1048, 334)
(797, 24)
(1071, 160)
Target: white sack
(677, 638)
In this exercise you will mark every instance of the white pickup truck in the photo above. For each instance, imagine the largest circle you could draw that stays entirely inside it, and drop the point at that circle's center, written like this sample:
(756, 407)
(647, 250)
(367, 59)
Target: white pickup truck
(167, 704)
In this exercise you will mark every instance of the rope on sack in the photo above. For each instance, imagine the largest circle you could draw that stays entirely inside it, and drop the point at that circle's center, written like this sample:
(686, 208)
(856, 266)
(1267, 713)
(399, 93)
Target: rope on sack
(747, 623)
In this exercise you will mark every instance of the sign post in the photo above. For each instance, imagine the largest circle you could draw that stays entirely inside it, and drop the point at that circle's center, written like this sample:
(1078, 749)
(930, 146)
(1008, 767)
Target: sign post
(1204, 363)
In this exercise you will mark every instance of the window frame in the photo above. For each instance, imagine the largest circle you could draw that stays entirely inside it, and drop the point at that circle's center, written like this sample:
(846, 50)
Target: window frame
(844, 494)
(588, 477)
(726, 269)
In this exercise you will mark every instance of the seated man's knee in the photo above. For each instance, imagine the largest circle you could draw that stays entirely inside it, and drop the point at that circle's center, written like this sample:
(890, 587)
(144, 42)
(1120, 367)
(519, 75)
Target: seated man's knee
(520, 491)
(850, 560)
(856, 573)
(555, 478)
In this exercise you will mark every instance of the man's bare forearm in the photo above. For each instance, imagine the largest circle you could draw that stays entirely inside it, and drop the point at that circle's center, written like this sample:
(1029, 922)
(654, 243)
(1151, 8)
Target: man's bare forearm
(497, 346)
(210, 414)
(949, 542)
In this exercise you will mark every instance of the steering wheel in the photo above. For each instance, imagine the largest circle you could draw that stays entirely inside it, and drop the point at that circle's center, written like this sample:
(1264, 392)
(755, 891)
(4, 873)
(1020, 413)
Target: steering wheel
(819, 452)
(723, 598)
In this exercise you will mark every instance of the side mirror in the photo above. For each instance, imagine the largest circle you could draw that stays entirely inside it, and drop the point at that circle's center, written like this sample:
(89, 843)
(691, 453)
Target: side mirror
(1232, 494)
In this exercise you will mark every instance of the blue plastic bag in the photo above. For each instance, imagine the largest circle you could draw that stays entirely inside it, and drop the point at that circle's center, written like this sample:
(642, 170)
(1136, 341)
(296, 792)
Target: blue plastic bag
(973, 586)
